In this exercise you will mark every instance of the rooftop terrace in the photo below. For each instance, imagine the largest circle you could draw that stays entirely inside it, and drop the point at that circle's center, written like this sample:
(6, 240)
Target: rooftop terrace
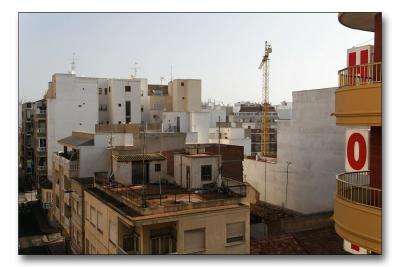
(159, 198)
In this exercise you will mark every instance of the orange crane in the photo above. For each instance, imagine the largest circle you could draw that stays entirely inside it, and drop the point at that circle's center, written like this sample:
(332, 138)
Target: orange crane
(264, 65)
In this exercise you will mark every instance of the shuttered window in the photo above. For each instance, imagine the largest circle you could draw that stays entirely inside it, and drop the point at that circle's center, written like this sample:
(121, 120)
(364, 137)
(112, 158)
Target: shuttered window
(99, 221)
(194, 240)
(93, 215)
(87, 210)
(234, 232)
(113, 232)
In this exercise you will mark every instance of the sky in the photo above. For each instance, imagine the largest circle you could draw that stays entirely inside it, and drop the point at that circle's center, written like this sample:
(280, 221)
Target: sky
(224, 50)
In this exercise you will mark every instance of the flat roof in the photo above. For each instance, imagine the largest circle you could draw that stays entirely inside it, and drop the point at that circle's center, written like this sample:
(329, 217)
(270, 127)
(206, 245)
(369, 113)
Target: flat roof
(76, 141)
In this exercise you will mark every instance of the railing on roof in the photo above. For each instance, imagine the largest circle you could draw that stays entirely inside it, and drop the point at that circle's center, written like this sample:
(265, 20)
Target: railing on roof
(360, 75)
(355, 187)
(171, 195)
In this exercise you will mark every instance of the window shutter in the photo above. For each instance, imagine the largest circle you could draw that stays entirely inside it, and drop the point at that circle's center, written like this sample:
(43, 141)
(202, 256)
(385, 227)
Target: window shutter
(113, 232)
(234, 232)
(194, 240)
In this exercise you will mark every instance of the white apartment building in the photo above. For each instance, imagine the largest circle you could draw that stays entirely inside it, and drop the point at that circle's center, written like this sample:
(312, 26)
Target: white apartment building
(79, 103)
(231, 136)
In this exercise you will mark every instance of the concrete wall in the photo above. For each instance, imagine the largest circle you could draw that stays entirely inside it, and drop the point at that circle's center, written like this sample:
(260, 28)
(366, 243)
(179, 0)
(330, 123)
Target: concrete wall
(313, 144)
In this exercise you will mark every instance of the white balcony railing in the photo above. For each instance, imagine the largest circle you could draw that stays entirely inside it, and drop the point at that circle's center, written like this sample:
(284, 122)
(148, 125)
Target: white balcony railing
(41, 149)
(355, 187)
(360, 74)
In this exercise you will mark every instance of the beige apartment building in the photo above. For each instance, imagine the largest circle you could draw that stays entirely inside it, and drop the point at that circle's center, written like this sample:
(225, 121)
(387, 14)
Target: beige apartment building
(123, 220)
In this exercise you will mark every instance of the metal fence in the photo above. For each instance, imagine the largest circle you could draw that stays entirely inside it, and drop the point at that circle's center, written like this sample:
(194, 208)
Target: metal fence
(360, 75)
(355, 187)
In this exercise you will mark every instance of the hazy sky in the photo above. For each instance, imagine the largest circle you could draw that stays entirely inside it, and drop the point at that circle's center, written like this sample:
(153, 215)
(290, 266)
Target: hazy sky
(223, 50)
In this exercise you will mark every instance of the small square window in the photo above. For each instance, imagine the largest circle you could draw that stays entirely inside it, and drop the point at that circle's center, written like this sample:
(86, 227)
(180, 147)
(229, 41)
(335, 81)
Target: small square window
(119, 105)
(182, 84)
(127, 88)
(119, 122)
(141, 109)
(105, 91)
(157, 167)
(100, 92)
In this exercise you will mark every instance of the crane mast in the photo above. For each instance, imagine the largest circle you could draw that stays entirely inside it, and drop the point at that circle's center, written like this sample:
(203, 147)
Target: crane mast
(264, 65)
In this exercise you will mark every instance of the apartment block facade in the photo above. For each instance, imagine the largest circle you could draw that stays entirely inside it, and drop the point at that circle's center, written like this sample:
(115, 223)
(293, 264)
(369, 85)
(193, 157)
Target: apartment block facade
(358, 197)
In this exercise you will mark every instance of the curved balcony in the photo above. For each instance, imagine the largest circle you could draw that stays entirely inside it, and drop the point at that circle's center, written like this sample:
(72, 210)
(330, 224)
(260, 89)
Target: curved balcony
(358, 98)
(358, 210)
(364, 21)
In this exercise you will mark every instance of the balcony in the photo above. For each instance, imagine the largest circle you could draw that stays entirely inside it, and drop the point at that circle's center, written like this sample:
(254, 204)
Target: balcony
(41, 149)
(70, 168)
(358, 98)
(358, 210)
(41, 131)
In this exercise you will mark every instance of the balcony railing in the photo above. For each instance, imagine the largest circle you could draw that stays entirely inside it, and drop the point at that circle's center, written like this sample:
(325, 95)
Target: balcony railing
(355, 187)
(360, 75)
(41, 149)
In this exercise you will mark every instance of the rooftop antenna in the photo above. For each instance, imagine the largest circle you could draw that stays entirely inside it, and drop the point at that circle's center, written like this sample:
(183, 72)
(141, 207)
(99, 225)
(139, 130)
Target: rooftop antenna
(135, 68)
(73, 64)
(162, 79)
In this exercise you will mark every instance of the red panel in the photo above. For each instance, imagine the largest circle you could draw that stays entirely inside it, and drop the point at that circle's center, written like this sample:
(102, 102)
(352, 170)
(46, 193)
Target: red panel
(364, 56)
(352, 59)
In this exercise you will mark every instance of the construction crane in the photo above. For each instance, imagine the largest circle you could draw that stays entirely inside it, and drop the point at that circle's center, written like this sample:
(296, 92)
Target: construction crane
(264, 65)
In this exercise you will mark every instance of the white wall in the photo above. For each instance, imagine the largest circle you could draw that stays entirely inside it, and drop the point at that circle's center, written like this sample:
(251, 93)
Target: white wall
(170, 121)
(93, 159)
(214, 114)
(194, 163)
(75, 108)
(200, 123)
(313, 144)
(117, 98)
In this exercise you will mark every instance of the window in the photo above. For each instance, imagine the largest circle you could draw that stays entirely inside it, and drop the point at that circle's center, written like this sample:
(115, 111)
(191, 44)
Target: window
(78, 238)
(87, 246)
(87, 210)
(127, 88)
(182, 84)
(100, 222)
(99, 91)
(57, 201)
(206, 172)
(93, 216)
(112, 228)
(157, 167)
(109, 89)
(234, 232)
(194, 240)
(42, 142)
(119, 105)
(128, 111)
(79, 209)
(105, 91)
(141, 109)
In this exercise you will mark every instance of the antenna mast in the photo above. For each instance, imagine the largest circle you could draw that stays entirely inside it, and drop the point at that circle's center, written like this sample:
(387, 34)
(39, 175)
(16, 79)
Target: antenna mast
(73, 64)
